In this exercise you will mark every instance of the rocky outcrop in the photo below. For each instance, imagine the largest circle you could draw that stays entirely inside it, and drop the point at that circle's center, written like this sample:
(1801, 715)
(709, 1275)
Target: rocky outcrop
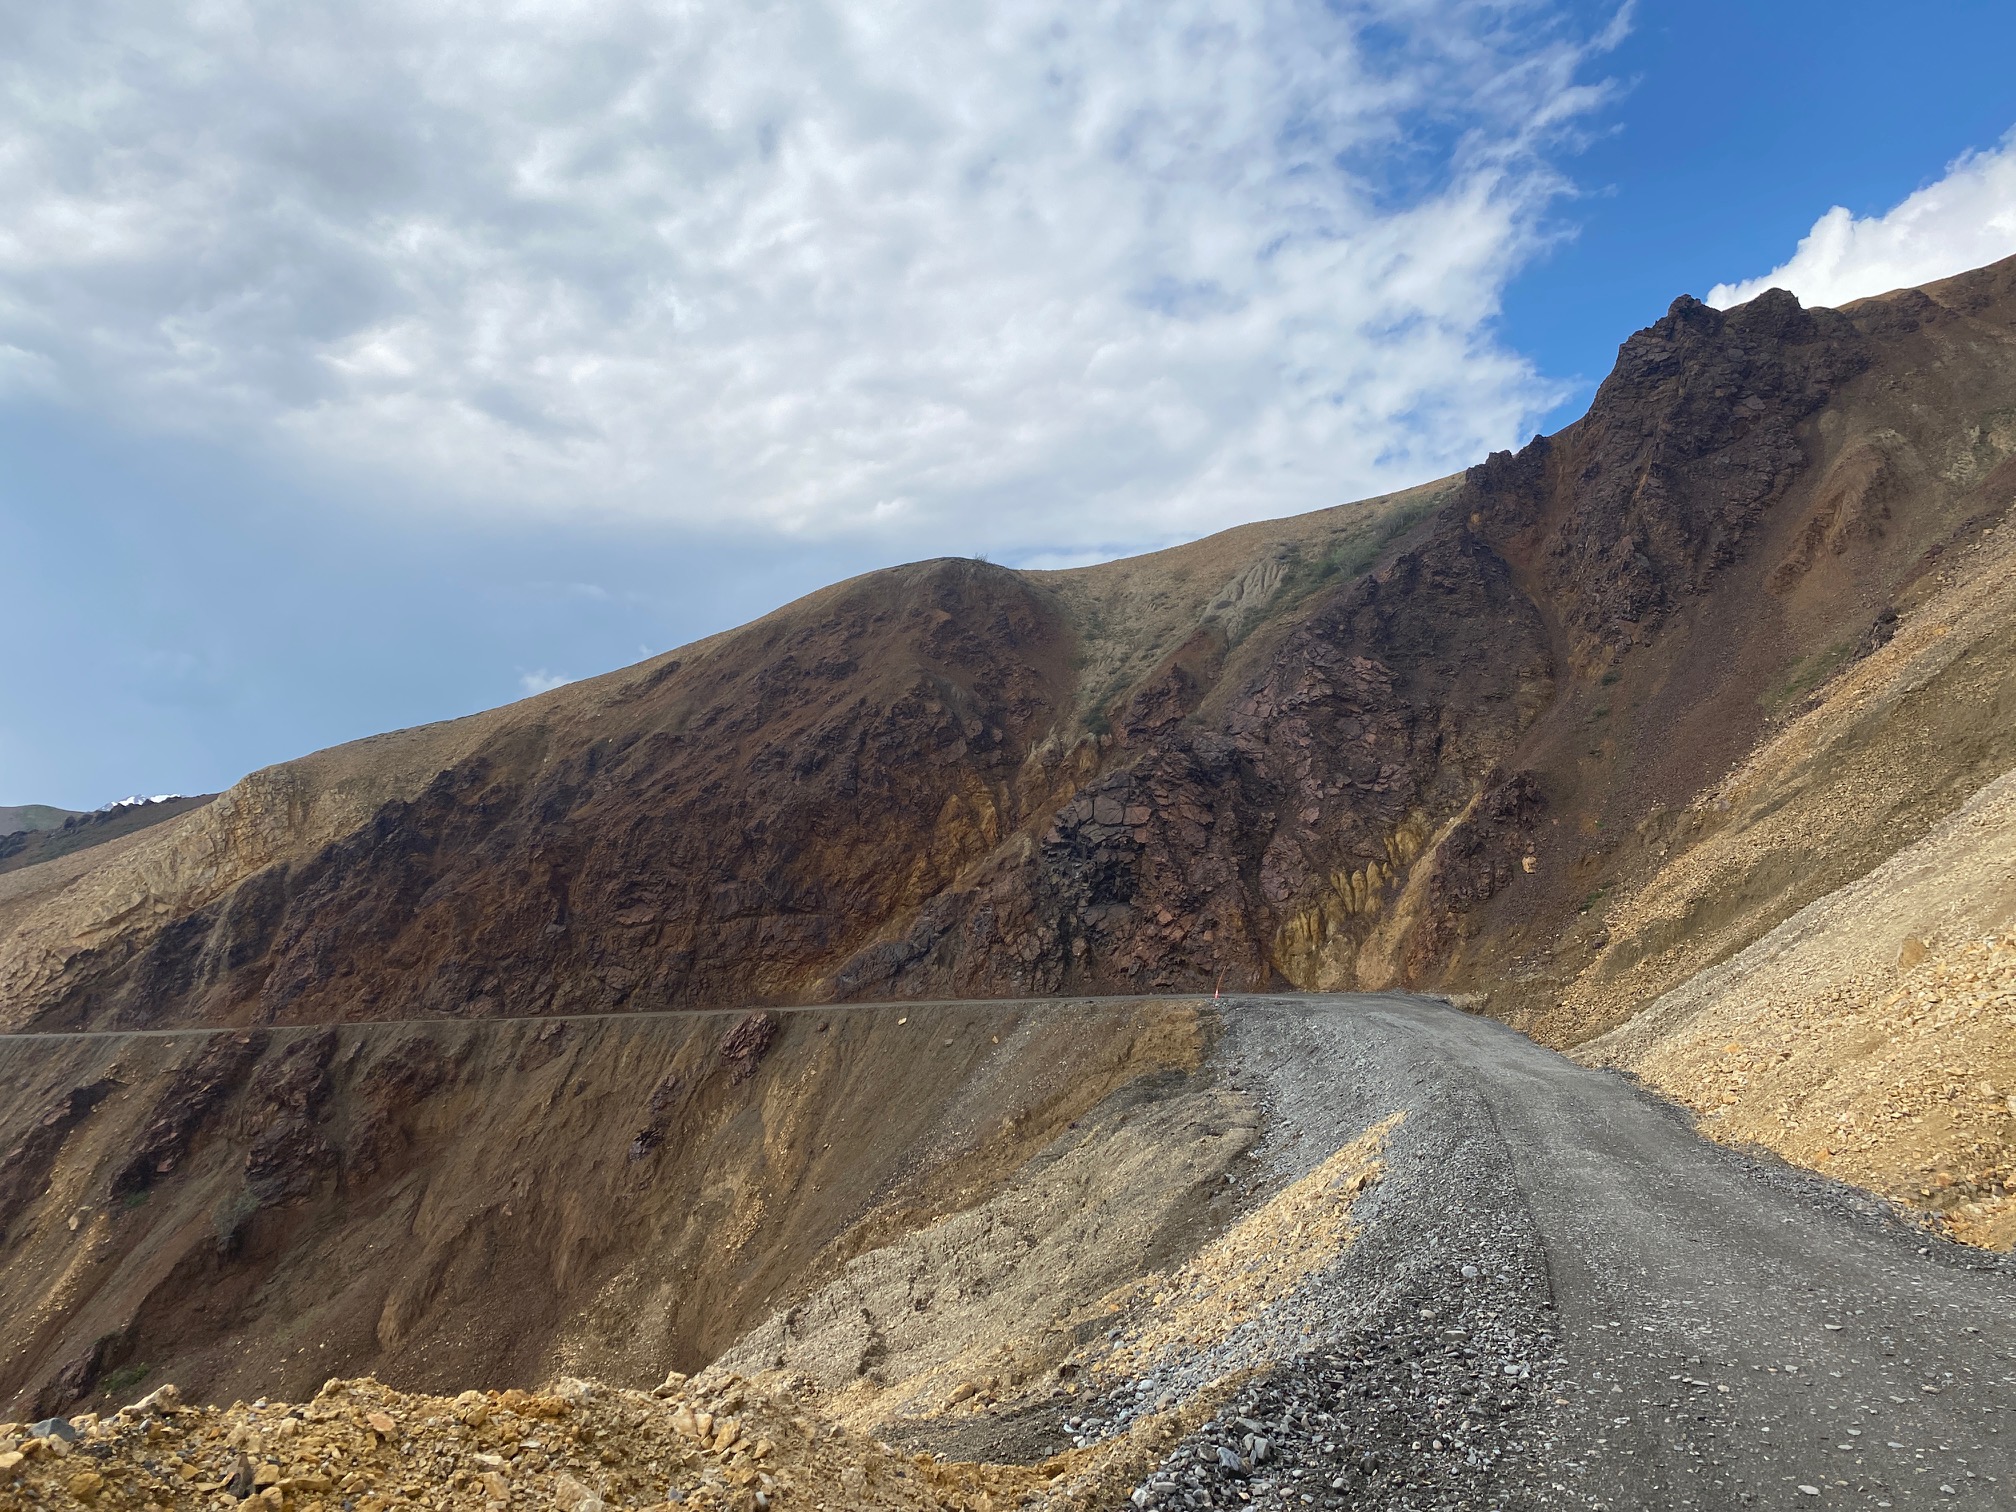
(1259, 838)
(289, 1151)
(1355, 749)
(191, 1101)
(1689, 442)
(24, 1169)
(744, 1046)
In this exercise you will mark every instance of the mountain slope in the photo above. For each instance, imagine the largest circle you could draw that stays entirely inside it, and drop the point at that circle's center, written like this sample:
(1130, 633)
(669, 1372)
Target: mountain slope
(1318, 752)
(1684, 737)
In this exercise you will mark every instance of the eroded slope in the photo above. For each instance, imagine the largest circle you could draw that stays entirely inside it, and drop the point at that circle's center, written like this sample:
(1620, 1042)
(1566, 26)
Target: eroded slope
(254, 1212)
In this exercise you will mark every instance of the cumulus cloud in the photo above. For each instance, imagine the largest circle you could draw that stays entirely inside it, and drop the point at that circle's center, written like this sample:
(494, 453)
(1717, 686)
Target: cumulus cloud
(1037, 275)
(541, 681)
(1965, 220)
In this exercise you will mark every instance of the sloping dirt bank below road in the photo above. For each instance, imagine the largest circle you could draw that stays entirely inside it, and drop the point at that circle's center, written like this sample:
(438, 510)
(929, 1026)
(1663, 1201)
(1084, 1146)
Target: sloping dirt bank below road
(450, 1204)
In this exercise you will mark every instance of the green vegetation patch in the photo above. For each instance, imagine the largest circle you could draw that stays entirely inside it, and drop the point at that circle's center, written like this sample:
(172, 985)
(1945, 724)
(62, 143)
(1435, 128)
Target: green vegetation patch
(1349, 552)
(1806, 674)
(117, 1383)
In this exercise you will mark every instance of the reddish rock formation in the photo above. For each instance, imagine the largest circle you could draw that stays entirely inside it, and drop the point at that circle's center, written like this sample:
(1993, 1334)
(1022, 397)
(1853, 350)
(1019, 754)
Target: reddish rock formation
(1286, 755)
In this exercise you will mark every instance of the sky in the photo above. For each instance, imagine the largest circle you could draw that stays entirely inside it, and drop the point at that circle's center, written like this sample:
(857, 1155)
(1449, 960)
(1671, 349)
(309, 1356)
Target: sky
(367, 367)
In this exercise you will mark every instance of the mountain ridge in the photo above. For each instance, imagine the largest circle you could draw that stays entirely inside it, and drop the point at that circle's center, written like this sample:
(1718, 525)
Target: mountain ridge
(1325, 767)
(20, 817)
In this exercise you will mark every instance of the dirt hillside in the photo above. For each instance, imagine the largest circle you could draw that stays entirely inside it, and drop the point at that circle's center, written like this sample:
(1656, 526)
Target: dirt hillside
(454, 1202)
(1872, 1034)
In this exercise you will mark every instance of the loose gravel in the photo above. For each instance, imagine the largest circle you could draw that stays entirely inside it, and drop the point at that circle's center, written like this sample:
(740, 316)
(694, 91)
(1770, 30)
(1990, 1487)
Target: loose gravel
(1419, 1369)
(1561, 1296)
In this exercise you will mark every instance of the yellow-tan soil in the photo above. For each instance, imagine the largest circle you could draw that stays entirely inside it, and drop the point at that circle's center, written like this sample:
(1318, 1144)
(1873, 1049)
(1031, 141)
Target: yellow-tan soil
(710, 1443)
(1871, 1035)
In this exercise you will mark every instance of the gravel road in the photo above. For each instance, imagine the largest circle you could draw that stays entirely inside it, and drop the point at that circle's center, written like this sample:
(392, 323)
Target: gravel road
(1565, 1297)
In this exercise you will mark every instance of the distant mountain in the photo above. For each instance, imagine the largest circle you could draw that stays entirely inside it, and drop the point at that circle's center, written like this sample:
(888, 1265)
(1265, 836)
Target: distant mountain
(32, 816)
(75, 832)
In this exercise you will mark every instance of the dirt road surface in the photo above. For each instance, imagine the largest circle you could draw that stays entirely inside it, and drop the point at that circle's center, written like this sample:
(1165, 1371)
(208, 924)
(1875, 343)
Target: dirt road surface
(1692, 1326)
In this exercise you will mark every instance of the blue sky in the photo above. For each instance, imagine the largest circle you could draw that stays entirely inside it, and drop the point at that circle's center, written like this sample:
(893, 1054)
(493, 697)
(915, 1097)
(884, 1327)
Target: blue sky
(1739, 126)
(355, 378)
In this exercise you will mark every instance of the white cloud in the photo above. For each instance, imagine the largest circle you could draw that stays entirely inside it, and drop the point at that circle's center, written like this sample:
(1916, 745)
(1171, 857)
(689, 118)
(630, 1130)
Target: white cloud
(1036, 275)
(541, 681)
(1965, 220)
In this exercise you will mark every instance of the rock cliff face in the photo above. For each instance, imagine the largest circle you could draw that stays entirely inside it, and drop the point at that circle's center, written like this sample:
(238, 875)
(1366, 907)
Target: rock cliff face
(1390, 743)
